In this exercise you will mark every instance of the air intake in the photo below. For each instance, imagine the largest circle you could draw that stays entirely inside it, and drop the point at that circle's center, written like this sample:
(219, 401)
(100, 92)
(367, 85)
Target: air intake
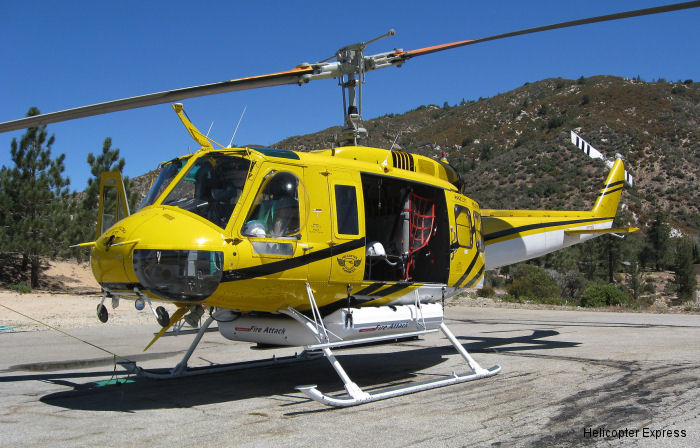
(403, 160)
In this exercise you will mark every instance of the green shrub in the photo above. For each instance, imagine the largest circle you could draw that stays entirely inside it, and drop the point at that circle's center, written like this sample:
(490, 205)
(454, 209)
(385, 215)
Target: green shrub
(494, 280)
(604, 295)
(486, 291)
(532, 281)
(555, 122)
(546, 301)
(512, 299)
(21, 288)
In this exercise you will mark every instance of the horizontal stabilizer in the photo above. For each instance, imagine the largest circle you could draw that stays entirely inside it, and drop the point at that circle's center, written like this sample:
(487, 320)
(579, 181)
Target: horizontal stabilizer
(600, 231)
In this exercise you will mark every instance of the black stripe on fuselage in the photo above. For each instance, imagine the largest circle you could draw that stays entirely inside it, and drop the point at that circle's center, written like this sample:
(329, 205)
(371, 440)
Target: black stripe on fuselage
(392, 289)
(614, 184)
(475, 278)
(368, 292)
(514, 230)
(290, 263)
(611, 191)
(369, 289)
(468, 270)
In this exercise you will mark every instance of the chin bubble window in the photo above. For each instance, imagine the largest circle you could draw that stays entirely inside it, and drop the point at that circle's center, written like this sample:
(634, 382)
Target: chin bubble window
(187, 275)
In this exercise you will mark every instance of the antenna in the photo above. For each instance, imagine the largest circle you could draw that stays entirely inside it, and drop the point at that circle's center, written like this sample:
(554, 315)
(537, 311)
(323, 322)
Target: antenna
(210, 126)
(239, 123)
(393, 144)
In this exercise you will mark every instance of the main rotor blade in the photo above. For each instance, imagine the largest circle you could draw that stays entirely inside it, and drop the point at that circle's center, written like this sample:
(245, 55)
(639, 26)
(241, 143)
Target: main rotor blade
(273, 79)
(404, 55)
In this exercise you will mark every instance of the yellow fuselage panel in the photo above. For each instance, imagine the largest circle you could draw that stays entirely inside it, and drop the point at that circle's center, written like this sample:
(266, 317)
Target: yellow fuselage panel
(268, 274)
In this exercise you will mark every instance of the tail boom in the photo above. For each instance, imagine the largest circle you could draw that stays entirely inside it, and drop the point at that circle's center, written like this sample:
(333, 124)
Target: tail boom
(512, 236)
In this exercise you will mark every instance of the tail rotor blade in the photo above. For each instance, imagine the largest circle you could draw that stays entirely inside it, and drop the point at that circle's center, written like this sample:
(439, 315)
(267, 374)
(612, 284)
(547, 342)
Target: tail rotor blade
(595, 154)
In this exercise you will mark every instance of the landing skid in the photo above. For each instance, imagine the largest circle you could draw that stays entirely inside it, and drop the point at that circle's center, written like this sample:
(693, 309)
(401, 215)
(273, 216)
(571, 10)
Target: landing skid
(181, 369)
(355, 395)
(358, 396)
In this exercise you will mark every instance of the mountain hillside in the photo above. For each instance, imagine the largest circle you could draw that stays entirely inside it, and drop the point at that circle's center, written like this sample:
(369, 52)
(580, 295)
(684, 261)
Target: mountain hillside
(514, 149)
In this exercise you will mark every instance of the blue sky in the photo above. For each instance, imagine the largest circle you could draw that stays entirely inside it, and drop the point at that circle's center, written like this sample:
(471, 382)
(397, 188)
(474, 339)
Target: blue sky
(56, 55)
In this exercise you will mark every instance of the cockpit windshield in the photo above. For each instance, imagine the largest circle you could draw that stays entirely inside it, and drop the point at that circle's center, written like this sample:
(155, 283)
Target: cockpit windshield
(167, 173)
(211, 188)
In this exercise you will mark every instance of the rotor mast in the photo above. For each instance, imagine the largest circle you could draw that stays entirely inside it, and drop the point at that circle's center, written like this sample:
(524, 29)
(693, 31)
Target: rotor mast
(351, 69)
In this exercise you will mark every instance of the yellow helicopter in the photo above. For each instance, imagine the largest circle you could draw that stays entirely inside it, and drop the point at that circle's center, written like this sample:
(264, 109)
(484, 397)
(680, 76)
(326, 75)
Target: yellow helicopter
(322, 249)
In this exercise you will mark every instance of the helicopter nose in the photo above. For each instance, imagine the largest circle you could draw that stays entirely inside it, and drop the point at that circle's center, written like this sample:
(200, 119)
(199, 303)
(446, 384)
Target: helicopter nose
(173, 255)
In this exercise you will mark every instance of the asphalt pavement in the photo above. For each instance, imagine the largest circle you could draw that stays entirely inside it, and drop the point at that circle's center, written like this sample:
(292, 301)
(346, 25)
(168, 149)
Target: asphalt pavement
(569, 378)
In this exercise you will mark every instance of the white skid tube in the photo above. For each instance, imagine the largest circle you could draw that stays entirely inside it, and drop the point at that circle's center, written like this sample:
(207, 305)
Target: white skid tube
(358, 396)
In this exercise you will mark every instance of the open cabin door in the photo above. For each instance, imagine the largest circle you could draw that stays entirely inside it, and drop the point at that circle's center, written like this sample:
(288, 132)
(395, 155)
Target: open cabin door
(113, 206)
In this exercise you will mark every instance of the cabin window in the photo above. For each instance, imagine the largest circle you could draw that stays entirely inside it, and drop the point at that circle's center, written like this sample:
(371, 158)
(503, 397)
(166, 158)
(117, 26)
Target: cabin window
(346, 210)
(464, 226)
(265, 248)
(478, 232)
(211, 188)
(275, 211)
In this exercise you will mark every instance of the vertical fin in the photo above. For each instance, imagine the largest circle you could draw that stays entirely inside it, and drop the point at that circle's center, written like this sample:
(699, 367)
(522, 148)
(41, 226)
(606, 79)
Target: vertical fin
(609, 197)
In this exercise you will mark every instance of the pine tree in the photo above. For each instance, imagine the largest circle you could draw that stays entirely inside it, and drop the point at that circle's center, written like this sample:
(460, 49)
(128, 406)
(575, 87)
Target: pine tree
(32, 193)
(84, 226)
(684, 277)
(635, 280)
(658, 237)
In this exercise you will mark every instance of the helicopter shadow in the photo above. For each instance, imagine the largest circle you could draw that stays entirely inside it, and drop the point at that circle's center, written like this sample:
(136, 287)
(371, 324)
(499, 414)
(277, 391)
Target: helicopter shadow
(367, 370)
(534, 341)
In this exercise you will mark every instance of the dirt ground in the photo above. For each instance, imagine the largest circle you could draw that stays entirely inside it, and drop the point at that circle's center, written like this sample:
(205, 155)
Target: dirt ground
(70, 301)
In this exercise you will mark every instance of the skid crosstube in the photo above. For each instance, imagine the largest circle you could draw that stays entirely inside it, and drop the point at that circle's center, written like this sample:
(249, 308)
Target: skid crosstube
(357, 396)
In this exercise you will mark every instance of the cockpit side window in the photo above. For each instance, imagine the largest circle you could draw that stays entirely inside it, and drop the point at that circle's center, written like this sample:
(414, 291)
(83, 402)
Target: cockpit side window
(211, 188)
(275, 211)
